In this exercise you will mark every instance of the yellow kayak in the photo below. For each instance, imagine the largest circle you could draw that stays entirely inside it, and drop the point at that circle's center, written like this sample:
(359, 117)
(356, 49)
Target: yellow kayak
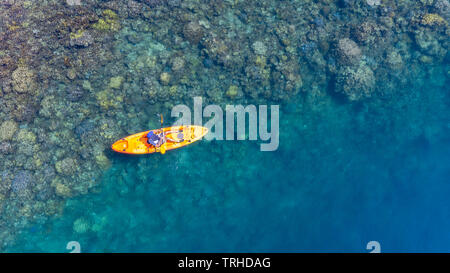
(176, 137)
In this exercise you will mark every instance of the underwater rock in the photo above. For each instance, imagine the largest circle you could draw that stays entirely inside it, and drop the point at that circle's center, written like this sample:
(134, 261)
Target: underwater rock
(193, 32)
(7, 130)
(348, 52)
(67, 166)
(23, 80)
(355, 83)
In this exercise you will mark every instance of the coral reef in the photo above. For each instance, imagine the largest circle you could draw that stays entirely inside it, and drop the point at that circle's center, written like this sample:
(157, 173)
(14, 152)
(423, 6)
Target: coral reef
(75, 93)
(7, 130)
(73, 2)
(356, 82)
(67, 166)
(164, 78)
(108, 22)
(432, 19)
(193, 32)
(102, 161)
(23, 80)
(232, 91)
(259, 48)
(116, 82)
(81, 38)
(21, 182)
(5, 148)
(348, 51)
(443, 7)
(61, 189)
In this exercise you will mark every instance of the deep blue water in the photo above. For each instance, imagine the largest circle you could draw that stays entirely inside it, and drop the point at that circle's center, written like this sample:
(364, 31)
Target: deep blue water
(344, 174)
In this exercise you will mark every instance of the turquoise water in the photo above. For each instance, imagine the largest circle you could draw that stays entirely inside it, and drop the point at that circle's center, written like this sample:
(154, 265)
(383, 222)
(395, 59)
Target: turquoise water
(364, 149)
(344, 175)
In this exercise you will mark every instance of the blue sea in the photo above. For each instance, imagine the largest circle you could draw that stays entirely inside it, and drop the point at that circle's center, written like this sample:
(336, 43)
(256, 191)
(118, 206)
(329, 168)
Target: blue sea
(346, 172)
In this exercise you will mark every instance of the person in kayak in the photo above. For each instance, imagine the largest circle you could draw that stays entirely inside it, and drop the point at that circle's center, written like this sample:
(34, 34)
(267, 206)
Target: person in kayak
(155, 139)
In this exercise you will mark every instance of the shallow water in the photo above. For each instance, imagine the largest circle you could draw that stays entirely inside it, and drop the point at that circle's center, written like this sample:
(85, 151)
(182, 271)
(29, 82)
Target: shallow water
(346, 172)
